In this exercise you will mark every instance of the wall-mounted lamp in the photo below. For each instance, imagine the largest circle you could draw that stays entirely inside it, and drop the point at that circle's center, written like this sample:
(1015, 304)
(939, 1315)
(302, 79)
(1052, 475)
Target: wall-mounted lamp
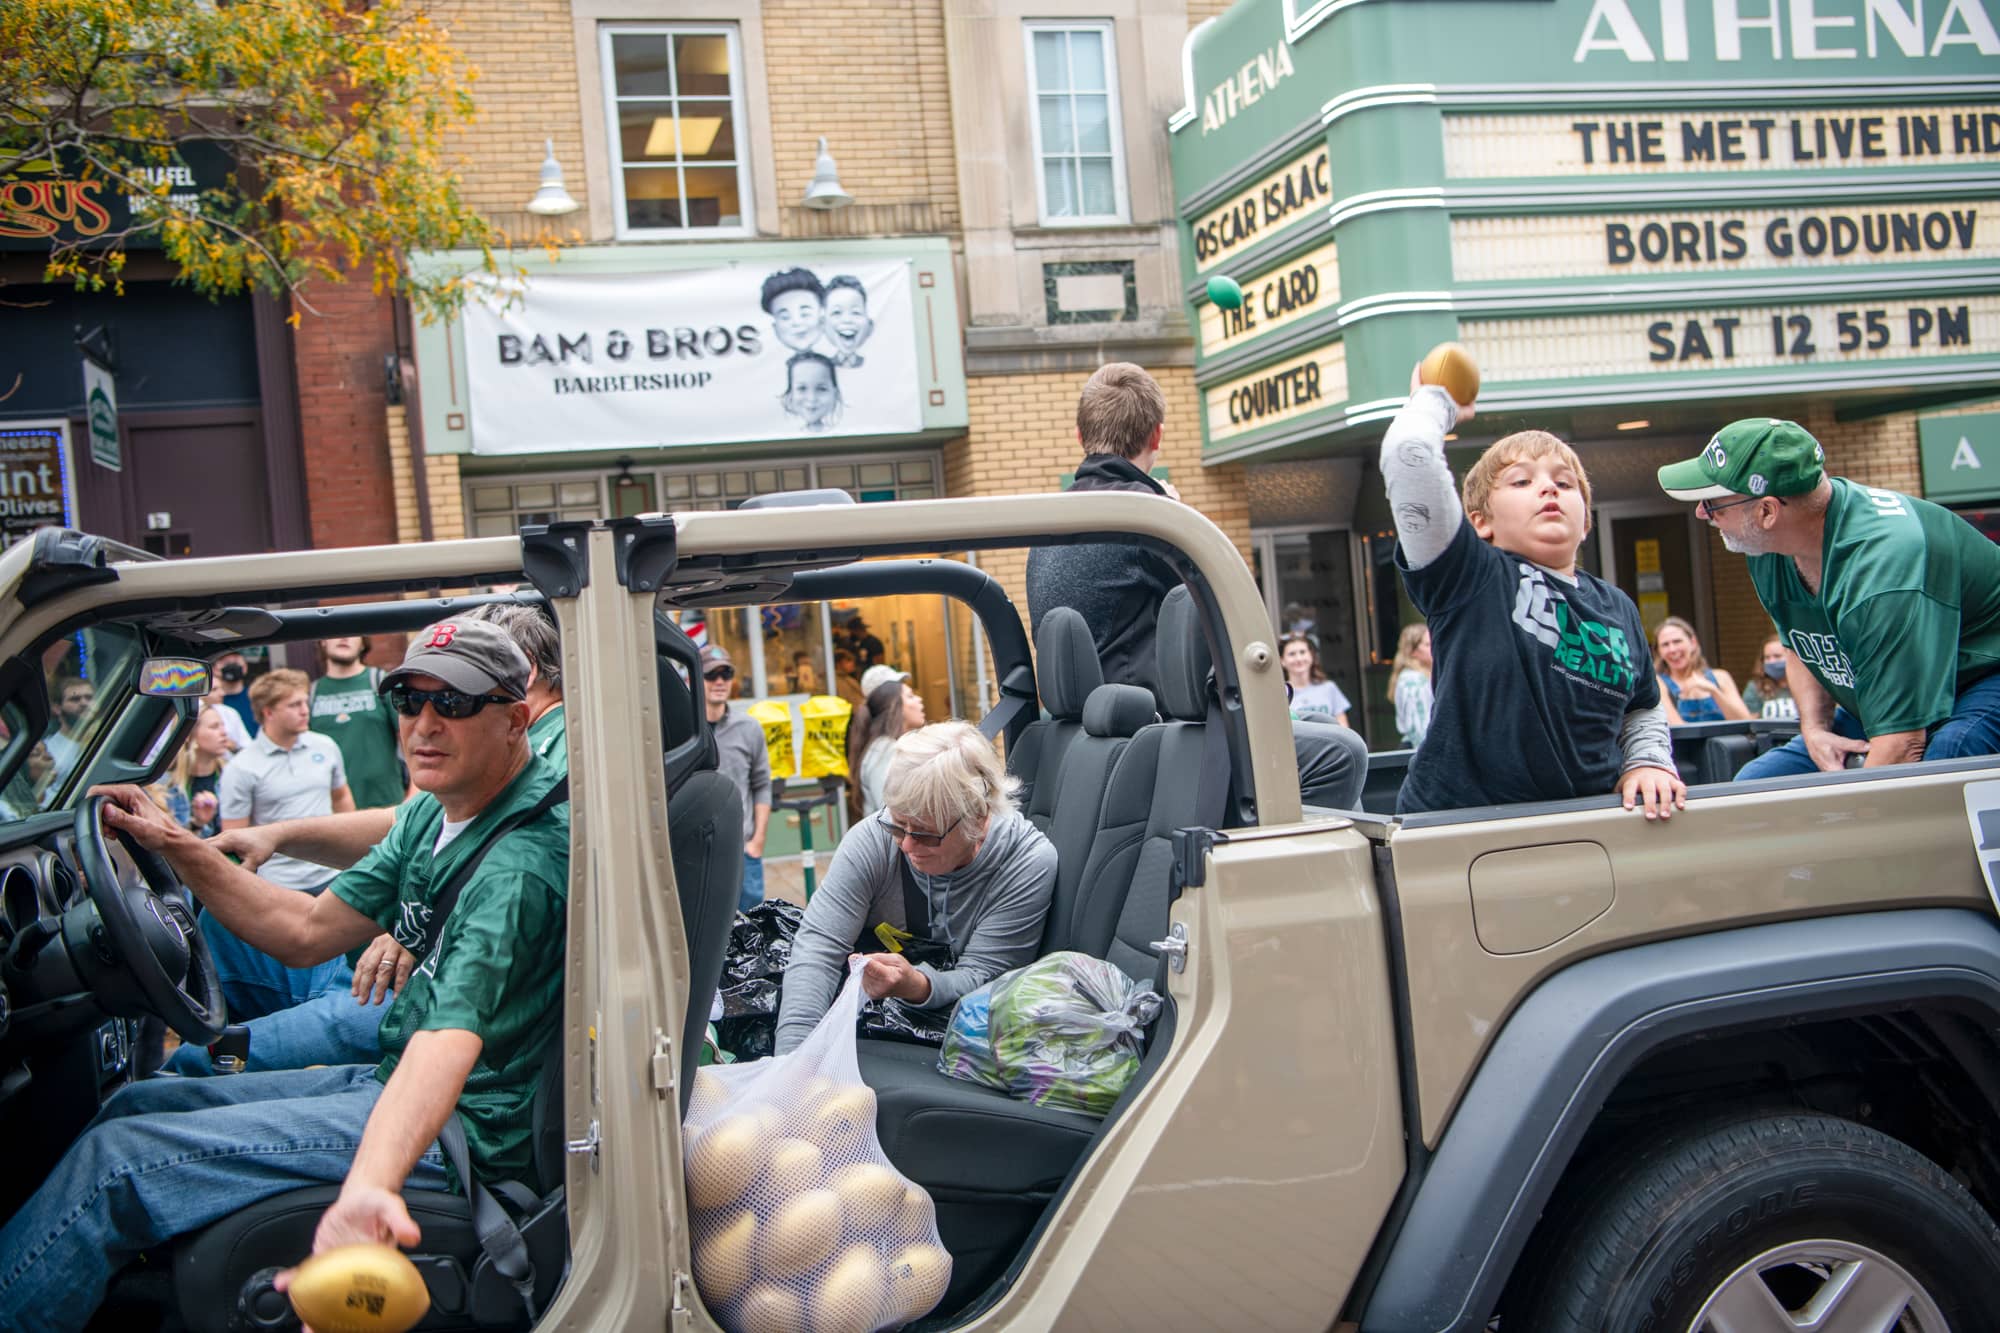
(825, 191)
(552, 200)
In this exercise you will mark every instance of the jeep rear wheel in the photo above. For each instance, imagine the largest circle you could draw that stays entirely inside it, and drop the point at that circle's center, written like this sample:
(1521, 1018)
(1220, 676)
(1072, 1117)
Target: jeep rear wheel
(1778, 1223)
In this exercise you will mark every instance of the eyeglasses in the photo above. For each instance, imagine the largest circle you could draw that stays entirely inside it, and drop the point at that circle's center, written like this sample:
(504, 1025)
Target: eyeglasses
(454, 704)
(1711, 507)
(898, 833)
(719, 673)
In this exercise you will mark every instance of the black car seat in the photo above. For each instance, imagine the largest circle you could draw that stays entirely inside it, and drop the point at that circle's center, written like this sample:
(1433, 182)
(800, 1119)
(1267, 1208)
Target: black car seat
(990, 1162)
(214, 1268)
(1067, 672)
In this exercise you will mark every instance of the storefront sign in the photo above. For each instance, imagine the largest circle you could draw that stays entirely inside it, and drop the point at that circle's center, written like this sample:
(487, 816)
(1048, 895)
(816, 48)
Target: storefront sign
(1593, 143)
(43, 203)
(1646, 31)
(34, 479)
(1732, 338)
(1294, 290)
(100, 410)
(1961, 457)
(1295, 388)
(1246, 86)
(694, 357)
(1719, 241)
(1300, 188)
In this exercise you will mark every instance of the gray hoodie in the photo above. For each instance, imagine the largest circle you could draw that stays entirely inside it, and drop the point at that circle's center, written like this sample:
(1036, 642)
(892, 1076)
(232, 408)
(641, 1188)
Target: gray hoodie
(990, 912)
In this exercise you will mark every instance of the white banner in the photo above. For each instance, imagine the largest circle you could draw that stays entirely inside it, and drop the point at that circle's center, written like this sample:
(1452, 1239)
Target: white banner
(694, 357)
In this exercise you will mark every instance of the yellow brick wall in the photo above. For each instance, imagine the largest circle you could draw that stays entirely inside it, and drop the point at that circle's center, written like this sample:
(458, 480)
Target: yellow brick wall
(525, 53)
(869, 75)
(447, 497)
(1022, 438)
(409, 527)
(1205, 9)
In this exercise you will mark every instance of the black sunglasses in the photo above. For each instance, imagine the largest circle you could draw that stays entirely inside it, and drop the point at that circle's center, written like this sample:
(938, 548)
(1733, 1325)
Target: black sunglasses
(719, 673)
(897, 832)
(454, 704)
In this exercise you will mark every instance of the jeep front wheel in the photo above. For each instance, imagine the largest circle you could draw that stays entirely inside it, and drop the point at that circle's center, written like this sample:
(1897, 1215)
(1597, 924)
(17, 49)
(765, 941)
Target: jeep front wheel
(1782, 1222)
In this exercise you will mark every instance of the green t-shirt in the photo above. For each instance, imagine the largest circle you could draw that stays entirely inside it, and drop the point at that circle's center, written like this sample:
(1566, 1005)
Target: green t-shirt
(364, 727)
(1908, 590)
(498, 967)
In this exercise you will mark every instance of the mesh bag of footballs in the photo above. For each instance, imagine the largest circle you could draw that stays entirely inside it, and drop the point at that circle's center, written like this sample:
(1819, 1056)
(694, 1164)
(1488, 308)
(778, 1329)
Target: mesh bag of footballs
(800, 1224)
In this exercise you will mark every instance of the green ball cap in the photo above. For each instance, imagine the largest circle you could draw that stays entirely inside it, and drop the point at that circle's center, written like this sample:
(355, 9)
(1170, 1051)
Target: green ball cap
(1757, 456)
(1224, 293)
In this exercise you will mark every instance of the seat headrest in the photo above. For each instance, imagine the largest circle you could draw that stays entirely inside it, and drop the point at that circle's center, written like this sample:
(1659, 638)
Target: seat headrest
(1118, 710)
(1184, 660)
(1066, 665)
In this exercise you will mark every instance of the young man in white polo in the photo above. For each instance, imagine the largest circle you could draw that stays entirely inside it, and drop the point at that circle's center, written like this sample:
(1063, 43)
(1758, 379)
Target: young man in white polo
(287, 772)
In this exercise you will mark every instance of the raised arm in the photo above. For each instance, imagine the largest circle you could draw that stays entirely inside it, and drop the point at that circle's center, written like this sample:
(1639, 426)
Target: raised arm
(336, 841)
(1423, 498)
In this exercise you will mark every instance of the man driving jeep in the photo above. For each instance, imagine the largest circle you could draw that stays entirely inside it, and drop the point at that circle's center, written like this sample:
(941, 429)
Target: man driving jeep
(466, 1035)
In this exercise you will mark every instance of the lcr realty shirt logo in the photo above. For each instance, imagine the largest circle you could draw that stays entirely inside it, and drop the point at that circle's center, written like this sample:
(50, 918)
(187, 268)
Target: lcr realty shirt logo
(1599, 653)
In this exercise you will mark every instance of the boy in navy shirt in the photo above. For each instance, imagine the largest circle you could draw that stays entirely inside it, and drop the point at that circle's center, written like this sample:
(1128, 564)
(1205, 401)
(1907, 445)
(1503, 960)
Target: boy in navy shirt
(1544, 686)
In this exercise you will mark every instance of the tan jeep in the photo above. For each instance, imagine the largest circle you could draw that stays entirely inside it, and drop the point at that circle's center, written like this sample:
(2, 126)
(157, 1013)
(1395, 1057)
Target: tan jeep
(1553, 1065)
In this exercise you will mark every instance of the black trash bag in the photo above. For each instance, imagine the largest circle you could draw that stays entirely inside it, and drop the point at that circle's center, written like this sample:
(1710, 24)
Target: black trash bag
(753, 971)
(896, 1021)
(753, 974)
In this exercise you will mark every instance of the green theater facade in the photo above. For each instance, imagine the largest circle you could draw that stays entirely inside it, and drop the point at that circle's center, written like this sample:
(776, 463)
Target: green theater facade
(1644, 218)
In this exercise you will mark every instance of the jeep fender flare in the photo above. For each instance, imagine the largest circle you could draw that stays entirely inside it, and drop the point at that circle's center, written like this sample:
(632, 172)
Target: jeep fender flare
(1557, 1059)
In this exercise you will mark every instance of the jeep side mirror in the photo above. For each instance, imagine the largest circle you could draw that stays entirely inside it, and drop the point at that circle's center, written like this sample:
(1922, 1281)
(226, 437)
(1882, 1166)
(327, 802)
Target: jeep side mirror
(174, 677)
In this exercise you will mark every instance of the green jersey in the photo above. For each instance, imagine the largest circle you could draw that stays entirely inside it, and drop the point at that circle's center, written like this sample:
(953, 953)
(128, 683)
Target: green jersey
(1908, 590)
(364, 727)
(497, 969)
(548, 737)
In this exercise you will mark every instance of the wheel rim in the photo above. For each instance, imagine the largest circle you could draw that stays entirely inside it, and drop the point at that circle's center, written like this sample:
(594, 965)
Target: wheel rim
(1825, 1286)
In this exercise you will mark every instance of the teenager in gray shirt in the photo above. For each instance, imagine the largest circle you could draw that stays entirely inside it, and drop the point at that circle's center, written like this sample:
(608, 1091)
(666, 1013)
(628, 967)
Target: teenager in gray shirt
(985, 874)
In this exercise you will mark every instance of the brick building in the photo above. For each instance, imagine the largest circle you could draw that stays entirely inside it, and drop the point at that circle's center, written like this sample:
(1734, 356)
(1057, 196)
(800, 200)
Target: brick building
(1011, 166)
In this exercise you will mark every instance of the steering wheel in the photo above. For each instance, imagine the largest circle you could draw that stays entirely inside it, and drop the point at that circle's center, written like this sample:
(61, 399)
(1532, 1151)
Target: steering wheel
(150, 932)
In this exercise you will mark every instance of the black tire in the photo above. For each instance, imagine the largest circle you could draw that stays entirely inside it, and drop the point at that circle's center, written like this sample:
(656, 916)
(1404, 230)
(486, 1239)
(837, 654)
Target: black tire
(1640, 1241)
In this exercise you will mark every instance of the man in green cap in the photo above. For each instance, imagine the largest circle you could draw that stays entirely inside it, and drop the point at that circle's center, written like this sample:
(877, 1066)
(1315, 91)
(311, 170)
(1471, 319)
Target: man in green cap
(1889, 606)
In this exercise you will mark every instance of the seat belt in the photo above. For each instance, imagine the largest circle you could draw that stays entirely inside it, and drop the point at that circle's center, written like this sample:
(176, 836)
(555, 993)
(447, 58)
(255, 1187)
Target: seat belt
(916, 904)
(498, 1236)
(447, 897)
(1211, 793)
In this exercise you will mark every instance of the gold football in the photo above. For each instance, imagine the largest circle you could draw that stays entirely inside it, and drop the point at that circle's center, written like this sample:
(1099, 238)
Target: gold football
(368, 1288)
(1450, 365)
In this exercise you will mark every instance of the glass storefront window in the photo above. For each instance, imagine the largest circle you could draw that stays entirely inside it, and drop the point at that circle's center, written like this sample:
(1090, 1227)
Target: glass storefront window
(497, 507)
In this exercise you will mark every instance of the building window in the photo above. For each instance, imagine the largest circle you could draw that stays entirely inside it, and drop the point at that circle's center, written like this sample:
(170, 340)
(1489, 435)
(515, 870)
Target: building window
(1079, 152)
(674, 100)
(499, 507)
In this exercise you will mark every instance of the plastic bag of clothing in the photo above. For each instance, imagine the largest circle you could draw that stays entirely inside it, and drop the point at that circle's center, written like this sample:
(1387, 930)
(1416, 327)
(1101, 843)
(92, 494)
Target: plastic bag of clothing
(1065, 1031)
(798, 1219)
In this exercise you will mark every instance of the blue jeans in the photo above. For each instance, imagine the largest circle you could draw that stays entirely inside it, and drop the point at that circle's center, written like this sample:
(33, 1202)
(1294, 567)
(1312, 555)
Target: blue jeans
(256, 984)
(329, 1029)
(1972, 729)
(169, 1156)
(752, 891)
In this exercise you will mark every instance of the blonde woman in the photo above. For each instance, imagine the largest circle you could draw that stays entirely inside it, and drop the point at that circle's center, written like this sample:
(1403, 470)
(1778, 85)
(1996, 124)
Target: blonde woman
(1696, 691)
(1410, 683)
(197, 770)
(984, 874)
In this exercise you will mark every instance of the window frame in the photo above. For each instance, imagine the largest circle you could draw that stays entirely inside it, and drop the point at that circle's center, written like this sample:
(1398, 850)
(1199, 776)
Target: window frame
(622, 229)
(1107, 28)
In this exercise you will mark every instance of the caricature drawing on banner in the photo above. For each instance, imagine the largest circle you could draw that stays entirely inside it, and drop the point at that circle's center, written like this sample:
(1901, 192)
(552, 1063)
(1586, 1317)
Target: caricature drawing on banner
(693, 356)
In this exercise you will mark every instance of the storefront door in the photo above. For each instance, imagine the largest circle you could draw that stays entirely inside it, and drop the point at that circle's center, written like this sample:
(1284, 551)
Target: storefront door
(1308, 582)
(1657, 558)
(200, 483)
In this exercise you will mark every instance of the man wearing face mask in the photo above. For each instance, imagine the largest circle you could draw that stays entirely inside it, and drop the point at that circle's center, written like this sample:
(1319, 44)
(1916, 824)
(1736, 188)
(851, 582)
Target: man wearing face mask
(232, 674)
